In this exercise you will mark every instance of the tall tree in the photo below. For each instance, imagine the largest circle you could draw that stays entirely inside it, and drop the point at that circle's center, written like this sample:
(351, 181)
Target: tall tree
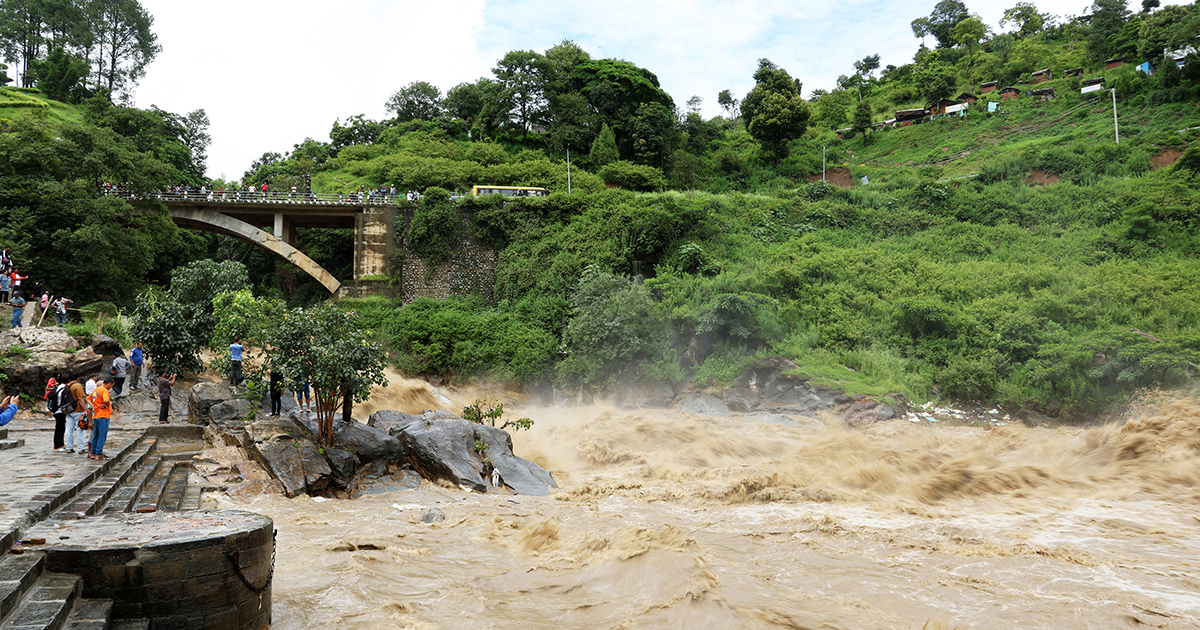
(604, 147)
(1025, 17)
(728, 103)
(419, 100)
(921, 28)
(465, 101)
(867, 65)
(21, 39)
(935, 79)
(969, 32)
(774, 112)
(616, 90)
(519, 73)
(942, 19)
(125, 43)
(1107, 19)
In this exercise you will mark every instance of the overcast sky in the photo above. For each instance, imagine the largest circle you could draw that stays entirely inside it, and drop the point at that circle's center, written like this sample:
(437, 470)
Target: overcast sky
(271, 73)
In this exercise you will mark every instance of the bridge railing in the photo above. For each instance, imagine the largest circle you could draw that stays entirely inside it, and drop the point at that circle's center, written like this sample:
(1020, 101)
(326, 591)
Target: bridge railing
(260, 197)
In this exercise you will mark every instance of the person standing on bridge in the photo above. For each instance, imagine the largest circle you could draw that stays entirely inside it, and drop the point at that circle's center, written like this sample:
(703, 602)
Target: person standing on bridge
(264, 190)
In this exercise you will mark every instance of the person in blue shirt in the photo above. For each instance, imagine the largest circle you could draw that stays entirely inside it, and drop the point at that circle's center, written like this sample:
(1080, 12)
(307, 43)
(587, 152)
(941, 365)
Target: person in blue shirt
(18, 308)
(235, 362)
(8, 409)
(135, 372)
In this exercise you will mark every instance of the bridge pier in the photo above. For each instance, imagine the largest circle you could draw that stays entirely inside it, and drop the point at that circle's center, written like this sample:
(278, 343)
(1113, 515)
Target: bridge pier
(284, 230)
(374, 241)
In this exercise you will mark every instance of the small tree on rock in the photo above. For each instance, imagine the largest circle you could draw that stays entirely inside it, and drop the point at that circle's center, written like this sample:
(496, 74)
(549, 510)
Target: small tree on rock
(330, 346)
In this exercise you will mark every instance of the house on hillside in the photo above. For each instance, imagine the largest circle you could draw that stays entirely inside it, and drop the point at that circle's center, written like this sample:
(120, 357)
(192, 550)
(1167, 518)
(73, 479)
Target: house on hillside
(842, 134)
(940, 107)
(1044, 94)
(1074, 72)
(1009, 93)
(906, 117)
(990, 86)
(1095, 81)
(1041, 75)
(967, 97)
(1146, 68)
(1115, 62)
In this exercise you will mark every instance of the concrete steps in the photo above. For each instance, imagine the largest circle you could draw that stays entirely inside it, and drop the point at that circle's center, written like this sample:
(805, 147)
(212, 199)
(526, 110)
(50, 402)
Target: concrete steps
(93, 498)
(6, 443)
(47, 605)
(90, 614)
(17, 576)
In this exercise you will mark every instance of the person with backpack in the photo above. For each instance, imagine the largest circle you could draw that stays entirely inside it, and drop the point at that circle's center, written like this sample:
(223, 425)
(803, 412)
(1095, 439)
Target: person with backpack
(60, 310)
(102, 409)
(59, 404)
(77, 422)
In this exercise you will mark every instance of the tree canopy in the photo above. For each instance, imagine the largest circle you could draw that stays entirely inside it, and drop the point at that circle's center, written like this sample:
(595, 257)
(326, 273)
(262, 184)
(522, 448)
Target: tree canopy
(774, 111)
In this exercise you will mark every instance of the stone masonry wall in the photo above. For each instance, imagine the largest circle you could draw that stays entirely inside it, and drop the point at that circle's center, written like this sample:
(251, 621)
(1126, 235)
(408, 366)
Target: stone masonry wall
(471, 270)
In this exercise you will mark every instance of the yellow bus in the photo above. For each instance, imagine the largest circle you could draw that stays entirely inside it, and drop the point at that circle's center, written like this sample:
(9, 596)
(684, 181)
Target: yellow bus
(509, 191)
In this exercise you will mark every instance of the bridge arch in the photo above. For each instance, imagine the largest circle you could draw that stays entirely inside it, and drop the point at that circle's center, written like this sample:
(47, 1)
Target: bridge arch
(209, 221)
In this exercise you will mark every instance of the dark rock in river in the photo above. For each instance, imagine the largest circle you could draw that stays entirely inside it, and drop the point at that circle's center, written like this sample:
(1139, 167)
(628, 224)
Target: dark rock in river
(369, 444)
(702, 403)
(441, 446)
(281, 447)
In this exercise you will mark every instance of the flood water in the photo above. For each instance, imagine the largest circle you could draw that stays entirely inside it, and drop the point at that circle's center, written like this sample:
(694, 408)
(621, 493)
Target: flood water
(669, 520)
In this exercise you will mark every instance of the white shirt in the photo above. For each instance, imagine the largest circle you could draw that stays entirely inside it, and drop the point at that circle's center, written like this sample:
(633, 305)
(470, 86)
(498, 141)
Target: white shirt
(90, 386)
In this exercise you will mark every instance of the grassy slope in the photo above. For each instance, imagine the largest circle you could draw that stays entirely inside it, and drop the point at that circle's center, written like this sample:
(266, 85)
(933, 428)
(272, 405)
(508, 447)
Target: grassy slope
(17, 102)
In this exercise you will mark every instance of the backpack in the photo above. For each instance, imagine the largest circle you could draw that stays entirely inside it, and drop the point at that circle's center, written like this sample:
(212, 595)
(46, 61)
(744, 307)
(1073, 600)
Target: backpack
(55, 402)
(112, 369)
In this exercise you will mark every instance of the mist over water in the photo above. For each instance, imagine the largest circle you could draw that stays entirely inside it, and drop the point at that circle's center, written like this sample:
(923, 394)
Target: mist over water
(671, 520)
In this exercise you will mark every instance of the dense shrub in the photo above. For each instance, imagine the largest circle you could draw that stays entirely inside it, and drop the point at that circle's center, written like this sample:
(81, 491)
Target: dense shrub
(435, 228)
(632, 176)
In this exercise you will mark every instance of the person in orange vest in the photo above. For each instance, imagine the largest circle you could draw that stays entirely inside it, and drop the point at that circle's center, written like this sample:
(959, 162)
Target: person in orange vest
(102, 408)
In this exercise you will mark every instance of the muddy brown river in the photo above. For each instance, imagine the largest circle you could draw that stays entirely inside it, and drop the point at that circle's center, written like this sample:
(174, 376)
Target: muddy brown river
(669, 520)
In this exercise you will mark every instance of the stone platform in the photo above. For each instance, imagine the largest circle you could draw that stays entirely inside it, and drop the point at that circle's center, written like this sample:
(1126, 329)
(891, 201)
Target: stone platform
(196, 569)
(171, 565)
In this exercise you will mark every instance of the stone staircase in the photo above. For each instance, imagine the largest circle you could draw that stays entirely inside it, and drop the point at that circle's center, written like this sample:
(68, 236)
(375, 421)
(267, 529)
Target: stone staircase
(144, 476)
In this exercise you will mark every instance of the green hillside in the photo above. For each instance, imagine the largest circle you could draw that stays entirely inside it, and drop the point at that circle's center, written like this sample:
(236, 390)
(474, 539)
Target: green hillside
(17, 102)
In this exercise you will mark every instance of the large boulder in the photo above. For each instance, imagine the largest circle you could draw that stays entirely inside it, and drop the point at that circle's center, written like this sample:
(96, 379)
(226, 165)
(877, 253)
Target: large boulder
(106, 346)
(205, 396)
(283, 449)
(392, 422)
(51, 351)
(702, 403)
(446, 448)
(369, 444)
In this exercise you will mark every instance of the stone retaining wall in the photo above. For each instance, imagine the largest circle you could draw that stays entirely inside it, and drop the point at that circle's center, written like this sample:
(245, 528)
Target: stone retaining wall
(471, 270)
(180, 570)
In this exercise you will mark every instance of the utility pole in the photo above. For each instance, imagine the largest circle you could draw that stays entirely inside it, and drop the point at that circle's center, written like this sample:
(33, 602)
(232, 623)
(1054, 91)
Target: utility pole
(1116, 132)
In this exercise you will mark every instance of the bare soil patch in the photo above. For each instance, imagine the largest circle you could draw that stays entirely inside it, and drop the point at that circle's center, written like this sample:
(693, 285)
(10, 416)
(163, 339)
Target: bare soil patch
(838, 176)
(1041, 178)
(1166, 158)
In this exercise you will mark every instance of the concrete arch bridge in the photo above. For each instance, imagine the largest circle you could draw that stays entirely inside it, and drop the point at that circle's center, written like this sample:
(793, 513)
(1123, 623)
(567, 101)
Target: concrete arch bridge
(244, 215)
